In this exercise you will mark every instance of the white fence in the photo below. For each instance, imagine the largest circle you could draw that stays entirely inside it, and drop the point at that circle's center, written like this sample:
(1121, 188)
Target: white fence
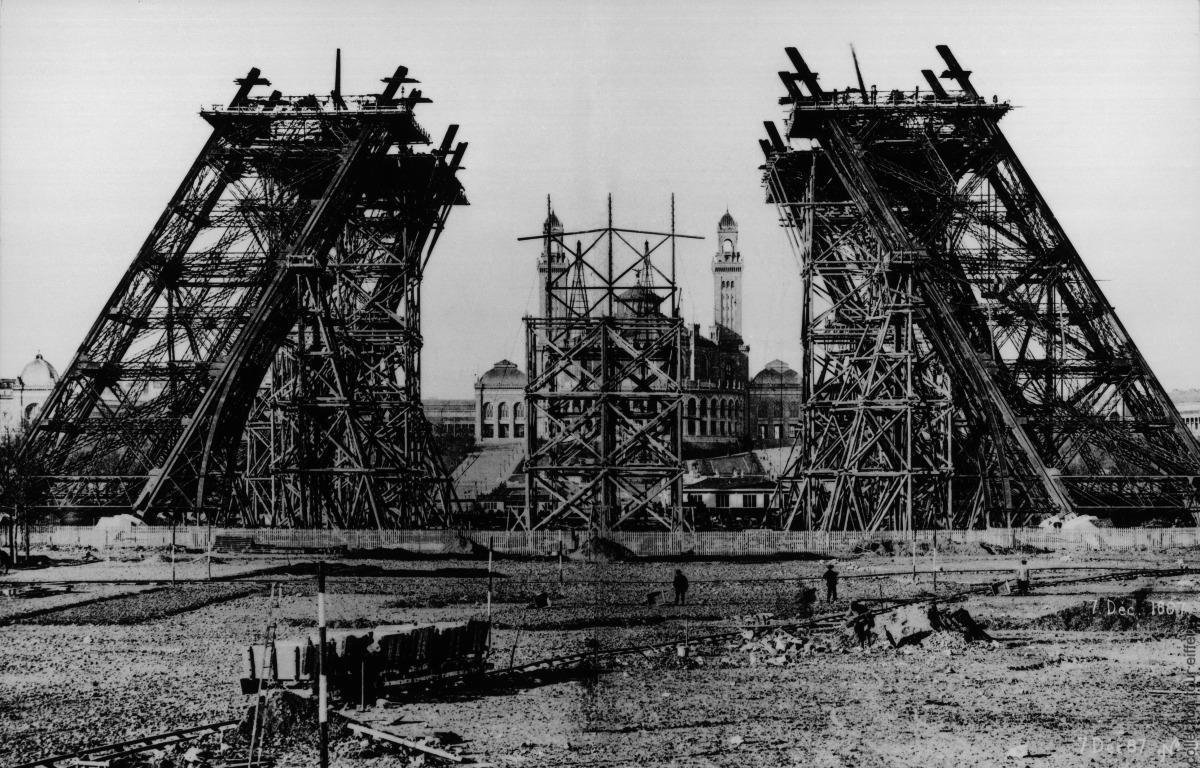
(651, 544)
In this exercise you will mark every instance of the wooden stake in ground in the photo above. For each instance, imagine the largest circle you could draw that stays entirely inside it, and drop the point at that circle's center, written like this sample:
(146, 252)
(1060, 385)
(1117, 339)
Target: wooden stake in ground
(322, 679)
(935, 562)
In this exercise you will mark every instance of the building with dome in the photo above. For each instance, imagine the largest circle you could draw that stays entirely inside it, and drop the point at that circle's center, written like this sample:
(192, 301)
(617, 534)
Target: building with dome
(775, 397)
(715, 375)
(500, 405)
(22, 397)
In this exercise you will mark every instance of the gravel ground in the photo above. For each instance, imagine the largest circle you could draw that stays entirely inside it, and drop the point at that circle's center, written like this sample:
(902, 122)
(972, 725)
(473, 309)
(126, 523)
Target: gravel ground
(62, 687)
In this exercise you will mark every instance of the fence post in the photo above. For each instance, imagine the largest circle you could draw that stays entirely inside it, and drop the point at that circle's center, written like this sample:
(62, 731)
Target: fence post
(322, 670)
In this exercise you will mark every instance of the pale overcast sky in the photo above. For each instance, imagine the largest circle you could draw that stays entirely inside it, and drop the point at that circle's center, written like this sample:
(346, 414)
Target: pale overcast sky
(98, 124)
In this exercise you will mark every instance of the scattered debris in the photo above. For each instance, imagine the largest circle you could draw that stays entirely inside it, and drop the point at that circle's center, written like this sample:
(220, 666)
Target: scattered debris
(287, 716)
(912, 624)
(602, 550)
(1018, 752)
(462, 546)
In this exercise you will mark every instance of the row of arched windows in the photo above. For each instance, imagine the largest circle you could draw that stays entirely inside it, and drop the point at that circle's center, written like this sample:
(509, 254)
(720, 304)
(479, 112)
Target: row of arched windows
(769, 408)
(503, 420)
(715, 416)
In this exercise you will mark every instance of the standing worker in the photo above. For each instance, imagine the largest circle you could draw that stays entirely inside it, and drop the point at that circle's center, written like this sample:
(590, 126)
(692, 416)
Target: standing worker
(681, 587)
(831, 580)
(1023, 578)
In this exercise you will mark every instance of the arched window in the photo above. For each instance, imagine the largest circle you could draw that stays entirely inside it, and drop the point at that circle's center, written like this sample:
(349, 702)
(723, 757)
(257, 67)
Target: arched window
(519, 410)
(503, 411)
(487, 430)
(703, 408)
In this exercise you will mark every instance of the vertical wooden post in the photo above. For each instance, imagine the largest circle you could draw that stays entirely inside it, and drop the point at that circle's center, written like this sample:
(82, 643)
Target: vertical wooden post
(322, 670)
(491, 545)
(935, 562)
(25, 528)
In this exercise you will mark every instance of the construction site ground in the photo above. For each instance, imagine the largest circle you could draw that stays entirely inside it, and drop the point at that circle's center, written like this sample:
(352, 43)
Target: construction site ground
(112, 661)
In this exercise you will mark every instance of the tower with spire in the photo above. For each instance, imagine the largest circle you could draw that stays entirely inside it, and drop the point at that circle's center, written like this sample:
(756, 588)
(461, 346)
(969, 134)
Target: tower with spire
(553, 260)
(727, 281)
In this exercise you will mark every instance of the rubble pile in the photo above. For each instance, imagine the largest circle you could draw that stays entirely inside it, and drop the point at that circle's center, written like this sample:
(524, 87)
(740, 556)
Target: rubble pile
(913, 624)
(287, 717)
(196, 753)
(777, 647)
(598, 549)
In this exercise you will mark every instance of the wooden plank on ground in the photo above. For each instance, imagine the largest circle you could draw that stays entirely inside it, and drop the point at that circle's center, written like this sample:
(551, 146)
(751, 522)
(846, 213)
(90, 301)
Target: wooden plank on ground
(388, 736)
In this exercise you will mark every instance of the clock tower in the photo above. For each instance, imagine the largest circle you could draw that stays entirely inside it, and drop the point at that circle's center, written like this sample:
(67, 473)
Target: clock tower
(727, 281)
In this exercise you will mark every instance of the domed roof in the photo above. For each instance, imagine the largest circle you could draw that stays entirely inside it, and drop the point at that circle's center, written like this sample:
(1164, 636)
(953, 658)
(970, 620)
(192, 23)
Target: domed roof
(503, 374)
(38, 374)
(552, 224)
(638, 301)
(776, 373)
(726, 221)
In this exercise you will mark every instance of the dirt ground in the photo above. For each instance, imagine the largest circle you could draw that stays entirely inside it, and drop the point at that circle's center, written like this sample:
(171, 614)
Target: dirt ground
(1061, 698)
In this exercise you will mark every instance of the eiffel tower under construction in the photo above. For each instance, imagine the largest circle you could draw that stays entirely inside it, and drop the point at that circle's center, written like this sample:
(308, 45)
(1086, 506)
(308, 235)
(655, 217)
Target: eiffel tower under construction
(259, 362)
(961, 366)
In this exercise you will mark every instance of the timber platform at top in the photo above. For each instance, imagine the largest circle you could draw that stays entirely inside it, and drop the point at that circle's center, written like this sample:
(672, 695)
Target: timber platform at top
(852, 100)
(312, 106)
(392, 103)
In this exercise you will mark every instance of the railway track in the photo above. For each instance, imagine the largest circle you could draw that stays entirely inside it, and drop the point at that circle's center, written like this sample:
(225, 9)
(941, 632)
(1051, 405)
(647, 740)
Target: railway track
(103, 755)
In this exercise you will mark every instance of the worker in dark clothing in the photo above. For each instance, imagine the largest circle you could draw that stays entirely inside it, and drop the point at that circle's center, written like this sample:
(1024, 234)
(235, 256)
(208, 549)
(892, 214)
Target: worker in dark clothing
(681, 587)
(1023, 578)
(863, 622)
(831, 580)
(807, 598)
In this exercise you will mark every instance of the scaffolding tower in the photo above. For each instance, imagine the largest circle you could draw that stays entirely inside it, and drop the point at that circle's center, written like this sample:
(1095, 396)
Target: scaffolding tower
(961, 366)
(294, 247)
(604, 392)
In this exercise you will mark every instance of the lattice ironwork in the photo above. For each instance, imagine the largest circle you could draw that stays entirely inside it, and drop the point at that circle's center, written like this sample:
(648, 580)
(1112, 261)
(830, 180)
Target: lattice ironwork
(604, 392)
(298, 237)
(961, 366)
